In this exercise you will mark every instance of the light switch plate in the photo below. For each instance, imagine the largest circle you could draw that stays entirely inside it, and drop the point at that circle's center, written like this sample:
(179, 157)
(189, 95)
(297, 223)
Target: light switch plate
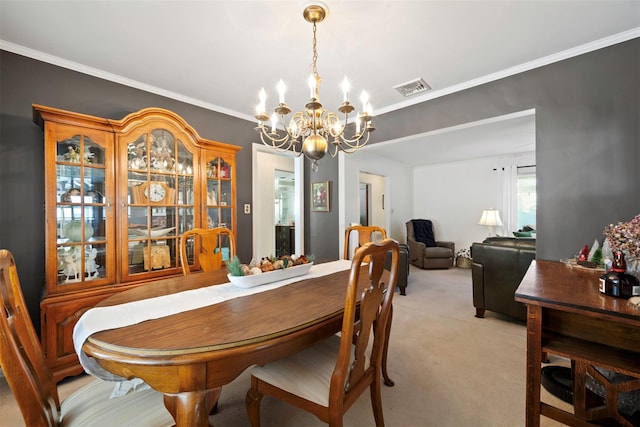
(247, 208)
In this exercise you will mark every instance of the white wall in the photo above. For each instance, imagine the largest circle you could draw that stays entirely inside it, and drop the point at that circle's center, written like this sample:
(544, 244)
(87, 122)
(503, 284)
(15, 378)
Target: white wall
(398, 191)
(453, 196)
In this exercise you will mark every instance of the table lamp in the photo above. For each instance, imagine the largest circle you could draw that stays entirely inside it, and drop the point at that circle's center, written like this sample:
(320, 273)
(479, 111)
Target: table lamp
(490, 218)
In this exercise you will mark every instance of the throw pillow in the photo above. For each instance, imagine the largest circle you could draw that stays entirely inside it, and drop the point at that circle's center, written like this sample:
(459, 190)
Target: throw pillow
(522, 233)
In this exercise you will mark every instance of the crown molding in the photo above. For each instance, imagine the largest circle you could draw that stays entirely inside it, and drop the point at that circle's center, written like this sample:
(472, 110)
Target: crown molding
(556, 57)
(95, 72)
(527, 66)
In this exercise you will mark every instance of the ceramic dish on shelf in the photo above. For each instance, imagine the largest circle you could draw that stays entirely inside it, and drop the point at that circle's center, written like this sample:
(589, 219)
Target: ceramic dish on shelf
(269, 277)
(155, 232)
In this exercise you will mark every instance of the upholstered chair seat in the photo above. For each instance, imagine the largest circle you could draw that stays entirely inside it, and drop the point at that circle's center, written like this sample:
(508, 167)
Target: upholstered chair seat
(91, 406)
(306, 374)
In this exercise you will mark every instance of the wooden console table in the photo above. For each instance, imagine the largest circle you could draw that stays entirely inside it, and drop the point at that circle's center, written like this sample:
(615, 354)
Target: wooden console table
(568, 316)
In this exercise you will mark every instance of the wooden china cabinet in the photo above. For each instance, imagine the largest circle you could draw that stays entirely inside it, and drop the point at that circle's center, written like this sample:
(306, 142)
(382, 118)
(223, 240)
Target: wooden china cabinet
(118, 196)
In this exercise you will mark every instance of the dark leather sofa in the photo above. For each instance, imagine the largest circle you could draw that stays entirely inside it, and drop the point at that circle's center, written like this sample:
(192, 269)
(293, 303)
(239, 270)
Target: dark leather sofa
(499, 264)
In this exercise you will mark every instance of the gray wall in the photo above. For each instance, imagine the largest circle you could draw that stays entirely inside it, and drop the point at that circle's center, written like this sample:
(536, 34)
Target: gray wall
(587, 130)
(587, 139)
(24, 82)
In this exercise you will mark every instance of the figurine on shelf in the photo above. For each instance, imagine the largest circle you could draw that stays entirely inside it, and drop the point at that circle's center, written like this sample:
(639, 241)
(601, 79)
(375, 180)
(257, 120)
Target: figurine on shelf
(212, 169)
(71, 270)
(162, 153)
(224, 171)
(212, 199)
(90, 266)
(72, 156)
(584, 253)
(137, 155)
(88, 155)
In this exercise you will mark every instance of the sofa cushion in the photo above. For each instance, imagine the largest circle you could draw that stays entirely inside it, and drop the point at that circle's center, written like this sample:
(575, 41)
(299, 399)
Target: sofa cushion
(516, 242)
(423, 232)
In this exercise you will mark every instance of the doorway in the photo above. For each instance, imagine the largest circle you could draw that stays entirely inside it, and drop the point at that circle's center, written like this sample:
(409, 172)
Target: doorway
(268, 166)
(372, 191)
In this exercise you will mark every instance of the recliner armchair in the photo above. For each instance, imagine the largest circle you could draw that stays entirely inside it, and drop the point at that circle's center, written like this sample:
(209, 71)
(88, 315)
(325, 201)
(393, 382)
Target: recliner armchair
(424, 250)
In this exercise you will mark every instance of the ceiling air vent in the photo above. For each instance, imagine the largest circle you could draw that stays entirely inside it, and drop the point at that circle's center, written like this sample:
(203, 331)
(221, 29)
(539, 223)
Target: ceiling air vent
(413, 87)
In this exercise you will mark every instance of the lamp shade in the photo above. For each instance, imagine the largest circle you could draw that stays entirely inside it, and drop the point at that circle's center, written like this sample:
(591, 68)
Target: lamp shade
(490, 217)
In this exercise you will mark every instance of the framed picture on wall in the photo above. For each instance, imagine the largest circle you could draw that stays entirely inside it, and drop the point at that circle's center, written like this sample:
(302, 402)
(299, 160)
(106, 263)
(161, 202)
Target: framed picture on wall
(320, 196)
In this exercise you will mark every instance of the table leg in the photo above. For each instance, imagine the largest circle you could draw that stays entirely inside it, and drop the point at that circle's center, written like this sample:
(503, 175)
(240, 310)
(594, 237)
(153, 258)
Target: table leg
(534, 360)
(191, 409)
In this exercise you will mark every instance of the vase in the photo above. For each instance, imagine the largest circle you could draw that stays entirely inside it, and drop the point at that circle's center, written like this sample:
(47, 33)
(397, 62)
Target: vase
(73, 230)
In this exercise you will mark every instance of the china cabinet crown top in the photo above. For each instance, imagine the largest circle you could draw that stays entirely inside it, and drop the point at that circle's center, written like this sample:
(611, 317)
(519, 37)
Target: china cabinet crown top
(145, 116)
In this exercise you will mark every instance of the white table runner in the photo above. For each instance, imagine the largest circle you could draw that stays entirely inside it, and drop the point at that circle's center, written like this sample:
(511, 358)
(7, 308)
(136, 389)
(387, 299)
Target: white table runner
(117, 316)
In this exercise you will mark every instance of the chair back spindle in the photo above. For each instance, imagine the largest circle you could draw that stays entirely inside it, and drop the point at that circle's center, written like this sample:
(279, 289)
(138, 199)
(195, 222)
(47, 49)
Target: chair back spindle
(207, 244)
(361, 322)
(366, 233)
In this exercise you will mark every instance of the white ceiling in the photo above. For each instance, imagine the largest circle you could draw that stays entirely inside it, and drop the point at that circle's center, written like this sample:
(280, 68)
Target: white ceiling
(218, 54)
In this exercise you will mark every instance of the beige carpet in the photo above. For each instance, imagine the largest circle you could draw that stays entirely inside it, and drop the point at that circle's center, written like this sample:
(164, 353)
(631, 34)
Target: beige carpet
(450, 368)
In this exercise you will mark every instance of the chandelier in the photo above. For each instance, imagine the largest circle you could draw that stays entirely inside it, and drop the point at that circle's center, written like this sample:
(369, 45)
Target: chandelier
(315, 131)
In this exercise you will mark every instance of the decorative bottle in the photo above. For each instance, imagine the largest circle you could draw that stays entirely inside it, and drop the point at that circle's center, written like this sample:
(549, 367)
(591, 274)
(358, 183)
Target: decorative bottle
(616, 282)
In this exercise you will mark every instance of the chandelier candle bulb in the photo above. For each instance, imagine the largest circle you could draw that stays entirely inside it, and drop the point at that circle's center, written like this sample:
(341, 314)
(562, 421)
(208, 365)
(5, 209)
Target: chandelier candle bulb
(281, 90)
(345, 90)
(312, 86)
(364, 97)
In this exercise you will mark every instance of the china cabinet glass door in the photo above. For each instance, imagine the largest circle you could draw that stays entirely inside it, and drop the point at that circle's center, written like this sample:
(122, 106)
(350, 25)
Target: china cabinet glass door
(219, 206)
(83, 226)
(160, 201)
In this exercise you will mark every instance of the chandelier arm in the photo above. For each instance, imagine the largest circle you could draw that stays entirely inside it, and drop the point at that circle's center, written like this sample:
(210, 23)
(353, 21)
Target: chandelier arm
(336, 147)
(354, 142)
(283, 143)
(350, 146)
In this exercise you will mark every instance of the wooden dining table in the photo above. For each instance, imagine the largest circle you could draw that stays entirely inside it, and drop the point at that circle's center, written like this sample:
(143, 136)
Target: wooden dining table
(190, 355)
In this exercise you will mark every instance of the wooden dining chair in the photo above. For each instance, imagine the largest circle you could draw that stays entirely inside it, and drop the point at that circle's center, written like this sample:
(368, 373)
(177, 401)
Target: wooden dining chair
(207, 242)
(32, 384)
(370, 233)
(366, 233)
(327, 378)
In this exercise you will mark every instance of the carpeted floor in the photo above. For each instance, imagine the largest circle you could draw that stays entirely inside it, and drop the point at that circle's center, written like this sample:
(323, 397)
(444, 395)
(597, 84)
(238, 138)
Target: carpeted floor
(450, 368)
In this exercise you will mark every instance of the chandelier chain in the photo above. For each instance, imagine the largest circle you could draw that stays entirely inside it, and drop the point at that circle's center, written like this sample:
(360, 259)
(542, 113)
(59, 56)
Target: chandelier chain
(315, 52)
